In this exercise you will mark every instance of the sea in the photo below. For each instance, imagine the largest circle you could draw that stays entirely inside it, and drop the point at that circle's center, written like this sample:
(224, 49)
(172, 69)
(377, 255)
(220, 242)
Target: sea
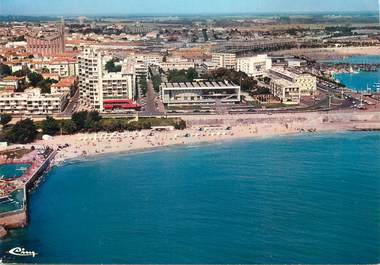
(362, 80)
(311, 198)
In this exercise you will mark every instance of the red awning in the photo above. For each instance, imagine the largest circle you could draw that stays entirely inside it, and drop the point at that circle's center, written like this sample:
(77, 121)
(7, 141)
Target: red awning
(122, 106)
(121, 101)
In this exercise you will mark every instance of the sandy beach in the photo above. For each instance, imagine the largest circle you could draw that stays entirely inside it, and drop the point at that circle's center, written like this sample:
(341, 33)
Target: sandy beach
(202, 129)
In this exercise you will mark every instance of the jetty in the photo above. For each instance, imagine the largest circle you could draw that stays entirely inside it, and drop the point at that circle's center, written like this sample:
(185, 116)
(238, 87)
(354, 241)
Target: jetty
(14, 205)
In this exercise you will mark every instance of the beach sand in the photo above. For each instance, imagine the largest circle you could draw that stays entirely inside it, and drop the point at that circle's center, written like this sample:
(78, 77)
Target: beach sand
(203, 129)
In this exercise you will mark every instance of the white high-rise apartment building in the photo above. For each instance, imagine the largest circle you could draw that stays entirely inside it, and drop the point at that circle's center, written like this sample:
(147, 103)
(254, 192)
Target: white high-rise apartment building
(254, 66)
(98, 87)
(224, 60)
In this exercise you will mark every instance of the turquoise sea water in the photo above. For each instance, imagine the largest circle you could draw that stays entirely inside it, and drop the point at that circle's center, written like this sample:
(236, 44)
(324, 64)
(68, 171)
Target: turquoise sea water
(360, 81)
(357, 59)
(12, 170)
(299, 199)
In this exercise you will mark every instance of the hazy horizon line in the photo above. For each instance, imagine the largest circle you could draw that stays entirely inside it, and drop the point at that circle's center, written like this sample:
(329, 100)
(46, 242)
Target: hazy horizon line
(159, 14)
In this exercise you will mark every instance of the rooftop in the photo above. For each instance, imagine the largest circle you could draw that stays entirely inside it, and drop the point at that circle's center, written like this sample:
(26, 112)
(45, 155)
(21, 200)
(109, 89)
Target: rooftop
(205, 84)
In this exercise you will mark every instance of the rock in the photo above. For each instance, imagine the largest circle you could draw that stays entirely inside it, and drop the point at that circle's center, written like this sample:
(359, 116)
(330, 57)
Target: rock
(3, 232)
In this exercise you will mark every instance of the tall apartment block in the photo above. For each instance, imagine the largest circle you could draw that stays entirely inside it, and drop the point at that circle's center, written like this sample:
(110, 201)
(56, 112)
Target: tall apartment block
(100, 89)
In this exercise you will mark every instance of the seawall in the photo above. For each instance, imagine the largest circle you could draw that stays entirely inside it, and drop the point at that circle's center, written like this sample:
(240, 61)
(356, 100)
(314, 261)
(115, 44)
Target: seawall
(19, 218)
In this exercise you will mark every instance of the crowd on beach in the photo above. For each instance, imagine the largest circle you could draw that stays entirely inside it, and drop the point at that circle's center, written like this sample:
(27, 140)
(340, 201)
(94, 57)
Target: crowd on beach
(200, 130)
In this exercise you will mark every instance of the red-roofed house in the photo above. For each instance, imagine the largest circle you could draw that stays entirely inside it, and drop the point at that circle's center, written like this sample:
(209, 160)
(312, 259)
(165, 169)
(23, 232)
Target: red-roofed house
(64, 85)
(11, 82)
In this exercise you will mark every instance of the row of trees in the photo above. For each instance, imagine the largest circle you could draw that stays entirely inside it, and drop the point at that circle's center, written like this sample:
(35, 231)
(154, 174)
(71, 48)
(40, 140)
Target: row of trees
(26, 131)
(247, 83)
(182, 75)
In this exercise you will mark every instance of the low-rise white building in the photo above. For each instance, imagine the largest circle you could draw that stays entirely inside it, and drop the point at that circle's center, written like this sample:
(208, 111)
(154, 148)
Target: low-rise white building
(11, 82)
(294, 62)
(63, 67)
(31, 101)
(286, 91)
(200, 93)
(306, 82)
(177, 65)
(254, 66)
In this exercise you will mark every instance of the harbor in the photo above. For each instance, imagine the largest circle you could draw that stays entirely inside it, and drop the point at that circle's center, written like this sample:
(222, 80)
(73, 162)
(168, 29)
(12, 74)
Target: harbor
(21, 175)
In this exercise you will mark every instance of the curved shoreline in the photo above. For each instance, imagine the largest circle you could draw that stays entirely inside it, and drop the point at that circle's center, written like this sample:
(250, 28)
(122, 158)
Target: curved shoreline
(208, 130)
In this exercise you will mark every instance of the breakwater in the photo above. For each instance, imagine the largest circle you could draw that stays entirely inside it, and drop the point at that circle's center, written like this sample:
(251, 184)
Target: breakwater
(18, 217)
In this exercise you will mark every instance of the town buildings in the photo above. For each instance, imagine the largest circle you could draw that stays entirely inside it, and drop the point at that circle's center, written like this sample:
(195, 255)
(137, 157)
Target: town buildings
(47, 45)
(254, 66)
(200, 93)
(11, 82)
(306, 82)
(97, 86)
(65, 85)
(32, 101)
(288, 92)
(61, 66)
(224, 60)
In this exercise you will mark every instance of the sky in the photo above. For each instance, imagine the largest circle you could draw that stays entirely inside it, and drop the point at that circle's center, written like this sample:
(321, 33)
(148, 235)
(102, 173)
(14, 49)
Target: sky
(133, 7)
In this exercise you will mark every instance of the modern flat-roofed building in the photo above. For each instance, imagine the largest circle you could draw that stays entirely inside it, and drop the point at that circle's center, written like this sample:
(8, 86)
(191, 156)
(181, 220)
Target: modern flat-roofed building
(179, 65)
(286, 91)
(31, 101)
(200, 93)
(306, 82)
(62, 66)
(224, 60)
(254, 66)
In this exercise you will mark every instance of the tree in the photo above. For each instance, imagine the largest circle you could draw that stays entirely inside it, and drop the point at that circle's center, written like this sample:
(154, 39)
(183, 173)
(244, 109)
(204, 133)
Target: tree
(44, 85)
(94, 115)
(261, 91)
(111, 67)
(156, 80)
(180, 125)
(92, 121)
(50, 126)
(69, 127)
(86, 120)
(5, 119)
(111, 125)
(143, 84)
(23, 132)
(23, 72)
(79, 118)
(191, 74)
(223, 74)
(266, 80)
(5, 70)
(34, 78)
